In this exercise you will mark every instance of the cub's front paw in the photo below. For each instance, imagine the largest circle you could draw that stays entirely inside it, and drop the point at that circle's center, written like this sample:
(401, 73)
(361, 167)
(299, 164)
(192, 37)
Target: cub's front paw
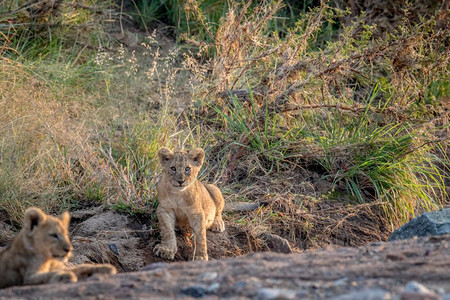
(218, 226)
(64, 277)
(201, 257)
(105, 269)
(164, 251)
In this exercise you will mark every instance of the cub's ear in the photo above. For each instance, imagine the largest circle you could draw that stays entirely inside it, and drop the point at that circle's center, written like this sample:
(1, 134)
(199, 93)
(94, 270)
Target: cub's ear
(34, 217)
(164, 155)
(65, 218)
(197, 156)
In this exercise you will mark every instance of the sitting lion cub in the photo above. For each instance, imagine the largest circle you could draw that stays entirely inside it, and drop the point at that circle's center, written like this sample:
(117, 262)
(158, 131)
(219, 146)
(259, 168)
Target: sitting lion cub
(39, 252)
(185, 201)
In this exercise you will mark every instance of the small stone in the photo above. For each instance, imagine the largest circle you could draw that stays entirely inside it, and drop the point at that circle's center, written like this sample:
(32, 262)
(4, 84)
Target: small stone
(419, 296)
(417, 291)
(194, 291)
(208, 276)
(213, 288)
(414, 286)
(370, 294)
(154, 266)
(163, 273)
(340, 282)
(240, 285)
(113, 248)
(275, 294)
(276, 243)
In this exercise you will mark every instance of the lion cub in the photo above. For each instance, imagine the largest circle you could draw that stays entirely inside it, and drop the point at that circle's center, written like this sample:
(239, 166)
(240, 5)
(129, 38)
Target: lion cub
(185, 201)
(39, 252)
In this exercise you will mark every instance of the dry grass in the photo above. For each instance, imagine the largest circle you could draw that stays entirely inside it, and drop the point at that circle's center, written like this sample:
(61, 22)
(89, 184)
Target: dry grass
(339, 139)
(359, 106)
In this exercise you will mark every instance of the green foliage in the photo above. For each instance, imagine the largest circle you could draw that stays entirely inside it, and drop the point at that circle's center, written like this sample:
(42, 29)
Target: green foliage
(389, 163)
(247, 125)
(66, 31)
(288, 87)
(355, 104)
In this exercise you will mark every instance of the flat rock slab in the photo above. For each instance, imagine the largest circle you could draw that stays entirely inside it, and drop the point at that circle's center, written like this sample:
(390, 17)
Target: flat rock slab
(375, 271)
(430, 223)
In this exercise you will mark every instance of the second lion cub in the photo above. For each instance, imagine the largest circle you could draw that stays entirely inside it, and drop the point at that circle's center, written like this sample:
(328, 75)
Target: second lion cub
(185, 201)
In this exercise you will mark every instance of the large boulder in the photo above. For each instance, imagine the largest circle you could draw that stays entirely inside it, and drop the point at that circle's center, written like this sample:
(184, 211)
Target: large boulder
(407, 269)
(431, 223)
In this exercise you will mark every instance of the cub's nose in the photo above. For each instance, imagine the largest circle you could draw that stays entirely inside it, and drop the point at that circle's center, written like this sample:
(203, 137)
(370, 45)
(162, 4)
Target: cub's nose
(180, 182)
(67, 248)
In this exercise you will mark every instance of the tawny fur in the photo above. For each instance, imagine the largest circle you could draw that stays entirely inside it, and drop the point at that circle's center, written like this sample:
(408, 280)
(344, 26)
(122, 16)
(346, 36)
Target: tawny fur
(185, 201)
(40, 251)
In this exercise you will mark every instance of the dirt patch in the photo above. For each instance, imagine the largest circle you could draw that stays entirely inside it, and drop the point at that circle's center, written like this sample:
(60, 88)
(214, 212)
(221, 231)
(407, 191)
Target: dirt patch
(292, 220)
(283, 225)
(6, 231)
(102, 236)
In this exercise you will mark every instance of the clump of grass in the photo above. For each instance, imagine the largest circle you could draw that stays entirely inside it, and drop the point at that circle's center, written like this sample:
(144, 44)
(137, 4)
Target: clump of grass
(37, 135)
(66, 30)
(355, 105)
(88, 138)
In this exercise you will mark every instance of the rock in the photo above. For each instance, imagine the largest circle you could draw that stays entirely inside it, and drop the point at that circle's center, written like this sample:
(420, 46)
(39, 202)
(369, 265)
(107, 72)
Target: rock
(81, 215)
(105, 237)
(416, 291)
(419, 296)
(155, 266)
(431, 223)
(208, 276)
(369, 294)
(113, 248)
(340, 282)
(213, 288)
(102, 222)
(276, 243)
(276, 294)
(339, 273)
(414, 286)
(195, 291)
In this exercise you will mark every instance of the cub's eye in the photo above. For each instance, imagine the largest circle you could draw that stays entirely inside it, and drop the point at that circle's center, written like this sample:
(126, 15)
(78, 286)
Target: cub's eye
(173, 169)
(54, 235)
(187, 170)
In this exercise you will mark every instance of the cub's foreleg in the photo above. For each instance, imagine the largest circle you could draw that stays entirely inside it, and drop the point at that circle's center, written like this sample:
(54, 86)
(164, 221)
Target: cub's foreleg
(218, 225)
(168, 246)
(197, 223)
(62, 276)
(86, 270)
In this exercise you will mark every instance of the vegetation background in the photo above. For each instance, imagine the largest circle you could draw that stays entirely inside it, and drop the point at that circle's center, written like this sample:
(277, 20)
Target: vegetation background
(334, 114)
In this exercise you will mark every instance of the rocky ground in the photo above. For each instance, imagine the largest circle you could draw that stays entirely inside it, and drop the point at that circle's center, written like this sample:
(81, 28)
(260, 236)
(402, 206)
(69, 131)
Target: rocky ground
(417, 268)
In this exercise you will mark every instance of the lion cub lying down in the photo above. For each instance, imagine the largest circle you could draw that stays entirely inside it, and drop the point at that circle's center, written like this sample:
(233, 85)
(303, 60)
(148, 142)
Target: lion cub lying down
(39, 252)
(185, 201)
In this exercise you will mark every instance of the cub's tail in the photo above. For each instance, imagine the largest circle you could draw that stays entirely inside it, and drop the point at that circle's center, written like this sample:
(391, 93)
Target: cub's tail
(244, 206)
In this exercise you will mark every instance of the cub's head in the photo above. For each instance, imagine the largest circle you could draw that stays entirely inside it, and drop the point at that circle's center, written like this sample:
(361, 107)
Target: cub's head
(47, 235)
(181, 167)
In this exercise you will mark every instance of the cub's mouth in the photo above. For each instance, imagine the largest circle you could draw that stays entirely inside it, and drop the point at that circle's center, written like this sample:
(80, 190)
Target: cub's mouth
(178, 184)
(60, 256)
(182, 186)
